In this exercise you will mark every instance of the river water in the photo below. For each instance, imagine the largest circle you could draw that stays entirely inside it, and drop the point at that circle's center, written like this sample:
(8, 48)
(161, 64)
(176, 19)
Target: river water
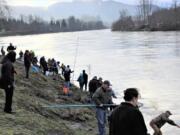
(149, 61)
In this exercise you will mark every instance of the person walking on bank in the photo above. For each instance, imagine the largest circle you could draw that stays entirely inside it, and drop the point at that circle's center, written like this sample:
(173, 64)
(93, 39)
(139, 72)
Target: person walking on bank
(100, 97)
(85, 77)
(7, 79)
(27, 62)
(126, 119)
(160, 120)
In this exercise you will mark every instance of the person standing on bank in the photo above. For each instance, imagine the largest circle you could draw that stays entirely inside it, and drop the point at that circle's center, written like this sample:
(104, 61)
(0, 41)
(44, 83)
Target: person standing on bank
(21, 55)
(126, 119)
(67, 75)
(2, 51)
(27, 62)
(81, 81)
(85, 77)
(10, 47)
(101, 97)
(160, 120)
(93, 85)
(43, 65)
(7, 79)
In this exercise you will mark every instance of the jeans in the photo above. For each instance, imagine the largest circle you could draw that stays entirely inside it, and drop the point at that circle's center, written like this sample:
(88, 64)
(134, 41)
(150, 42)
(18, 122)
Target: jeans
(156, 129)
(101, 118)
(85, 84)
(81, 86)
(67, 84)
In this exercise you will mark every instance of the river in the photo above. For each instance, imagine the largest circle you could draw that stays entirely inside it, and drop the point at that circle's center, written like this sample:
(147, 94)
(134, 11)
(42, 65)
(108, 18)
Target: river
(149, 61)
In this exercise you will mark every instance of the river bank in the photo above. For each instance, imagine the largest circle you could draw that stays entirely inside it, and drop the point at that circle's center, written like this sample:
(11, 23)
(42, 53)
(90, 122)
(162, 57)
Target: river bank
(147, 29)
(23, 33)
(31, 118)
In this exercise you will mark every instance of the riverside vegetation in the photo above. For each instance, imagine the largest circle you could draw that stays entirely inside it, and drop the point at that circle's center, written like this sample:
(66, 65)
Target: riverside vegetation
(31, 118)
(149, 19)
(33, 24)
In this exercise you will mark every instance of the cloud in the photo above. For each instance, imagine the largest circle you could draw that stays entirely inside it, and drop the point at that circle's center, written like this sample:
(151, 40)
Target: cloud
(46, 3)
(136, 1)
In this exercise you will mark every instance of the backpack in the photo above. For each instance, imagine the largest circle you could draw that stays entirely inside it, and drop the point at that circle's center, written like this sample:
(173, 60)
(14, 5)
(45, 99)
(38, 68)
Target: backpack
(80, 79)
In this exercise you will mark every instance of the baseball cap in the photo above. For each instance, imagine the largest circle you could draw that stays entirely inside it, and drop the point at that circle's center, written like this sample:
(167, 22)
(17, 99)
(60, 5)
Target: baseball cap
(169, 112)
(107, 82)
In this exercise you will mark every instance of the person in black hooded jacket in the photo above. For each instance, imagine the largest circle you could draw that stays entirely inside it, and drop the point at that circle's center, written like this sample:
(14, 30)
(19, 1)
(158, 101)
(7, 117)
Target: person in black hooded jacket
(7, 79)
(27, 62)
(127, 119)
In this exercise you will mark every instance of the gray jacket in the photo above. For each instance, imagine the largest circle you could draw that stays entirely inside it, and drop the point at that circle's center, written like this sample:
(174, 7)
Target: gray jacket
(162, 119)
(101, 96)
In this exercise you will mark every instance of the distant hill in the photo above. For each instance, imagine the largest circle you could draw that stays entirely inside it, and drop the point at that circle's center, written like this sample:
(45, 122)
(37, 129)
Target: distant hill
(107, 11)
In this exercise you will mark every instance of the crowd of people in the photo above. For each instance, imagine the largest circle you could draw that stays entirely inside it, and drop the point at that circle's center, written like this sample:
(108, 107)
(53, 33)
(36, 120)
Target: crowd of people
(31, 63)
(125, 119)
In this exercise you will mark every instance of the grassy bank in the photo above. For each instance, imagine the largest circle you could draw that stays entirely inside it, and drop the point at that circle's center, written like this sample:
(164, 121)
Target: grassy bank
(31, 118)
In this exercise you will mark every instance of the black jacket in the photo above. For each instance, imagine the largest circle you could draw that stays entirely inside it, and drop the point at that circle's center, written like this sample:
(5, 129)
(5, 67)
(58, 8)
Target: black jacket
(43, 63)
(85, 77)
(127, 120)
(27, 60)
(93, 85)
(7, 74)
(67, 74)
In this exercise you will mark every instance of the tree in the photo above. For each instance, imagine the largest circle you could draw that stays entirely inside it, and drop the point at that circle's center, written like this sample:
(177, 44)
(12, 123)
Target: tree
(4, 12)
(63, 25)
(72, 23)
(58, 25)
(175, 11)
(4, 9)
(145, 10)
(30, 19)
(124, 23)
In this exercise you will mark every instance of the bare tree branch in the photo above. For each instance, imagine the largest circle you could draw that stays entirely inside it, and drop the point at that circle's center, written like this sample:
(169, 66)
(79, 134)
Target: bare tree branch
(4, 9)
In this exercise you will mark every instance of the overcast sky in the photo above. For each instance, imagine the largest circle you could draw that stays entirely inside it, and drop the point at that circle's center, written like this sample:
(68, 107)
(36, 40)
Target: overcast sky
(46, 3)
